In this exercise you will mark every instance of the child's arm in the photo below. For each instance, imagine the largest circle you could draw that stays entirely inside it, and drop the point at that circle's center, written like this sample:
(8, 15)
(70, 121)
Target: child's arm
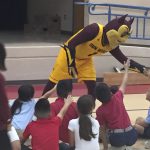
(49, 93)
(24, 139)
(26, 134)
(71, 140)
(68, 101)
(125, 78)
(103, 136)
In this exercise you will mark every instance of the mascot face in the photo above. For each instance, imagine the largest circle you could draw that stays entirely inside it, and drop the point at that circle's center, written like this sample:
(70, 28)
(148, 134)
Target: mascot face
(118, 31)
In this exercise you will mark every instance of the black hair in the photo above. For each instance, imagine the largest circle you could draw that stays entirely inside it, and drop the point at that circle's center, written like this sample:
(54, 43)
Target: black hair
(103, 92)
(2, 57)
(64, 87)
(85, 106)
(25, 93)
(114, 89)
(42, 108)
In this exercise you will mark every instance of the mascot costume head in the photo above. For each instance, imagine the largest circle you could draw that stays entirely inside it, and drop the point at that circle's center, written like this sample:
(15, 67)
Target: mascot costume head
(117, 31)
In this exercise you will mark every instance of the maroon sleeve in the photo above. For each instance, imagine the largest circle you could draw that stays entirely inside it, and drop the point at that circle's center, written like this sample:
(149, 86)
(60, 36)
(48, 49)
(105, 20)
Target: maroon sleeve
(87, 34)
(99, 117)
(122, 58)
(118, 55)
(119, 95)
(53, 111)
(4, 108)
(58, 121)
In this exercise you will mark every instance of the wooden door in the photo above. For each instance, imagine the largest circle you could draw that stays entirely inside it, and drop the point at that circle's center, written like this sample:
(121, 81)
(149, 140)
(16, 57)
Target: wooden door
(78, 16)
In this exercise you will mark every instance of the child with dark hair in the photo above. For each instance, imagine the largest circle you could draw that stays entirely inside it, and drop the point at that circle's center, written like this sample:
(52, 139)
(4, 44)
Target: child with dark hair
(84, 131)
(42, 109)
(23, 108)
(142, 125)
(113, 116)
(45, 130)
(63, 89)
(4, 108)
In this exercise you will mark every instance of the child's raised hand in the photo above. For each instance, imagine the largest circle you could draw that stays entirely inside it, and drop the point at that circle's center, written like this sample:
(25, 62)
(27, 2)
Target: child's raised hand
(68, 100)
(147, 72)
(127, 64)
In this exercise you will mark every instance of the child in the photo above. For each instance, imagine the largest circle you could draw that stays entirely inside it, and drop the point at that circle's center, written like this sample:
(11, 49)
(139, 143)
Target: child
(45, 131)
(4, 108)
(64, 88)
(84, 131)
(143, 125)
(113, 116)
(23, 108)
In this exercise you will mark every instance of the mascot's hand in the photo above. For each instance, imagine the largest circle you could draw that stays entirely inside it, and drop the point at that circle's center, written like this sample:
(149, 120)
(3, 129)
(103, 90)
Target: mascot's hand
(146, 71)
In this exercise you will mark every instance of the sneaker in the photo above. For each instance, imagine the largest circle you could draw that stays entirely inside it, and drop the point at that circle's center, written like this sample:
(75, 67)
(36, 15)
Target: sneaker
(121, 148)
(147, 144)
(128, 148)
(116, 69)
(118, 148)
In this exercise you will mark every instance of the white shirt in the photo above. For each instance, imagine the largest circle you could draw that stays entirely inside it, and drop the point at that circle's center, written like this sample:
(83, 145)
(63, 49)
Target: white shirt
(21, 120)
(81, 144)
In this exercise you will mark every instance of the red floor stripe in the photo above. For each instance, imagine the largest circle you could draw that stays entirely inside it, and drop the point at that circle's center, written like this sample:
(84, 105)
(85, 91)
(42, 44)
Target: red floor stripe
(137, 89)
(78, 90)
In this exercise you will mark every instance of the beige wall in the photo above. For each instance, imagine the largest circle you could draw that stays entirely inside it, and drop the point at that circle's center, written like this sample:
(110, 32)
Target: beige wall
(36, 62)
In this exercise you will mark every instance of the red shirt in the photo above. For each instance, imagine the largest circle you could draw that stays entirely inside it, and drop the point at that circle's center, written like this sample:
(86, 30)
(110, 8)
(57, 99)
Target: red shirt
(4, 108)
(70, 114)
(45, 133)
(113, 113)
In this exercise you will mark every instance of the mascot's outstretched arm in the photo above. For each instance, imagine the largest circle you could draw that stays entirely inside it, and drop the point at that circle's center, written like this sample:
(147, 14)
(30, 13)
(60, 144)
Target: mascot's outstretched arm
(122, 58)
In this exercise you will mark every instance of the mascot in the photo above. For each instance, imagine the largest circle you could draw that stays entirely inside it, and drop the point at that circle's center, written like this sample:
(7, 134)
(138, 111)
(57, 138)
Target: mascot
(75, 59)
